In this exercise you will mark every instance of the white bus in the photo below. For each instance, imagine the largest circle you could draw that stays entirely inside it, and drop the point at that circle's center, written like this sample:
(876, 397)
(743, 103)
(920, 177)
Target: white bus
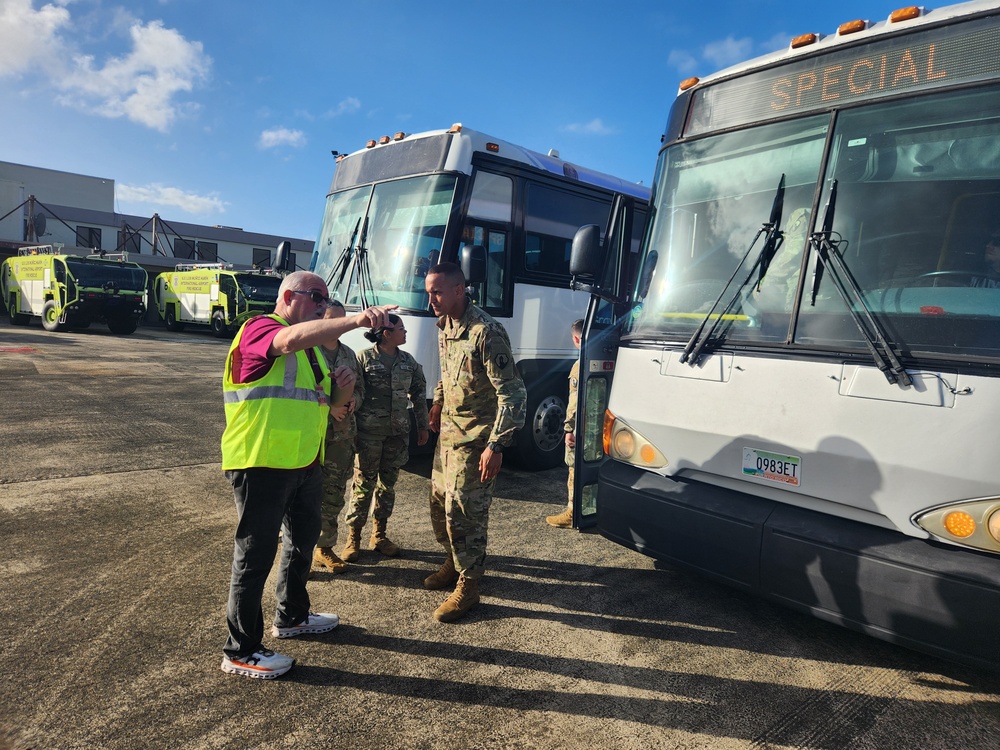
(807, 379)
(404, 203)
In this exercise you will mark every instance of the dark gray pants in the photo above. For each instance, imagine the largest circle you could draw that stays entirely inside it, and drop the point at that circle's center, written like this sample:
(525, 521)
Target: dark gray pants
(269, 501)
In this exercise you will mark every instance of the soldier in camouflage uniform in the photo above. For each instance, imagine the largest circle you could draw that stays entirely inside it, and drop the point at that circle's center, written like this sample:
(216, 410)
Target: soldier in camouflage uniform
(478, 406)
(393, 380)
(564, 520)
(338, 467)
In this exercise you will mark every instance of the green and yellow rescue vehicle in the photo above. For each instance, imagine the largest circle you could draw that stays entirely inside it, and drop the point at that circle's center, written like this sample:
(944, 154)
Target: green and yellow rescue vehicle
(73, 291)
(214, 294)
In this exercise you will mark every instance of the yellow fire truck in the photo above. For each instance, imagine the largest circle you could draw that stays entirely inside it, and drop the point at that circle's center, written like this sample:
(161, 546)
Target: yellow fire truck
(213, 294)
(73, 291)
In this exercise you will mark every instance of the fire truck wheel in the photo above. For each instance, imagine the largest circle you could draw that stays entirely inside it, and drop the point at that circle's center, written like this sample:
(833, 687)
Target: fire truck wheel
(219, 324)
(50, 317)
(170, 319)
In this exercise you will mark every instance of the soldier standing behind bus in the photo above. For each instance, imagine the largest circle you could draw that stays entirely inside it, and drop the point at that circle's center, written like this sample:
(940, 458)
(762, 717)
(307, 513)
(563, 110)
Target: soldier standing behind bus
(478, 406)
(393, 380)
(564, 520)
(338, 466)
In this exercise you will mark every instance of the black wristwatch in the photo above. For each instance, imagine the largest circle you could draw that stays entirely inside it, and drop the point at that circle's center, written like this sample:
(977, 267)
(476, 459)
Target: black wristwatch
(494, 446)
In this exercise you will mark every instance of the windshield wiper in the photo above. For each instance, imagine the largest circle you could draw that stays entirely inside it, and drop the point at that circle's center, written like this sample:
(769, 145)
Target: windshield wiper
(364, 270)
(828, 257)
(343, 263)
(773, 238)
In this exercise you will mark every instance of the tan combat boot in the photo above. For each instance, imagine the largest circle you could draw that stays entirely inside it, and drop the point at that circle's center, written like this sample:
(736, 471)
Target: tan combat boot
(445, 577)
(462, 599)
(352, 547)
(324, 557)
(562, 521)
(380, 541)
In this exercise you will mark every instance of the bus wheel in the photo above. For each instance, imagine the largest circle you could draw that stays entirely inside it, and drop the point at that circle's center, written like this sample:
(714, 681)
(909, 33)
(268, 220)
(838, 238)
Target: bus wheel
(540, 442)
(50, 317)
(170, 320)
(123, 326)
(219, 324)
(16, 318)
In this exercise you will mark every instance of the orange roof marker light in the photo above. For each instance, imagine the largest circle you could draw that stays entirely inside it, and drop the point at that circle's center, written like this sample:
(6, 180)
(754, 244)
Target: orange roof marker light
(383, 140)
(905, 14)
(493, 148)
(804, 40)
(399, 136)
(852, 27)
(371, 143)
(456, 128)
(688, 83)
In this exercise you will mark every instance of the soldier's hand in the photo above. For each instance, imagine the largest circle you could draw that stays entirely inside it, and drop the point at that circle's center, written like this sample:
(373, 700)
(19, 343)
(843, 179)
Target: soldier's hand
(570, 440)
(339, 412)
(434, 418)
(422, 437)
(489, 465)
(344, 377)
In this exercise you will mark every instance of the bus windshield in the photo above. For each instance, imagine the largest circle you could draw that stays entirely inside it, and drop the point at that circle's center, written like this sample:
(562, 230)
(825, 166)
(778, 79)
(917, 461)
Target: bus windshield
(258, 287)
(914, 224)
(378, 241)
(97, 273)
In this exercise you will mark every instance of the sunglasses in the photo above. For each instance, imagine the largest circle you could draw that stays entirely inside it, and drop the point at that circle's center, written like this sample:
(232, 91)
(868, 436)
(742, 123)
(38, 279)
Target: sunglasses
(315, 296)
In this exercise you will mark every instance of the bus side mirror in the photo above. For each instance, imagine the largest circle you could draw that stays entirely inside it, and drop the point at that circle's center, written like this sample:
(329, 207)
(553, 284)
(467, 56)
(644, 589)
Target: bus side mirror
(586, 254)
(282, 256)
(648, 269)
(474, 264)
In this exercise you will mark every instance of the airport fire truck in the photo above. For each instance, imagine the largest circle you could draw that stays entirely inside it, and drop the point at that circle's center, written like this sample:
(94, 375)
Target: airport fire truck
(73, 291)
(214, 294)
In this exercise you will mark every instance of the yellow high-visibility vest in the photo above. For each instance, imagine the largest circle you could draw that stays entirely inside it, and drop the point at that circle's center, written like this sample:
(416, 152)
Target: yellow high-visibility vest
(278, 421)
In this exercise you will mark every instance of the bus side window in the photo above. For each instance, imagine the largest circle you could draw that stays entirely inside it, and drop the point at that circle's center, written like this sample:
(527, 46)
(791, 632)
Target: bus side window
(496, 261)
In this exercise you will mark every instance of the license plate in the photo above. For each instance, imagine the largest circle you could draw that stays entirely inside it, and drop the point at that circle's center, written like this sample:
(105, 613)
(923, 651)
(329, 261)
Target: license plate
(772, 467)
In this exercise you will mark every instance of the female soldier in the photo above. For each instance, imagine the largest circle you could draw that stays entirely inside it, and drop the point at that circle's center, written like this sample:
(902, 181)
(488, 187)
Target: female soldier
(392, 380)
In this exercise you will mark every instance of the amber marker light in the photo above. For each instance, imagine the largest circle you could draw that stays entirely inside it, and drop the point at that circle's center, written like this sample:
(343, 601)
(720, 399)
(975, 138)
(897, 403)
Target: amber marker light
(804, 40)
(456, 128)
(851, 27)
(399, 136)
(493, 147)
(609, 423)
(904, 14)
(959, 523)
(383, 140)
(688, 83)
(371, 143)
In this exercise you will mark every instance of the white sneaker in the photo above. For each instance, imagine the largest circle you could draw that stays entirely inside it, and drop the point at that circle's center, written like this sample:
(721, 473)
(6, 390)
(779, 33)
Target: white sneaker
(315, 622)
(263, 664)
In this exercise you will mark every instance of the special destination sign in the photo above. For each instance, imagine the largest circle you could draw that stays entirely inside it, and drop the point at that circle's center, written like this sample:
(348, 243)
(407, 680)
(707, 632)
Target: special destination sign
(924, 59)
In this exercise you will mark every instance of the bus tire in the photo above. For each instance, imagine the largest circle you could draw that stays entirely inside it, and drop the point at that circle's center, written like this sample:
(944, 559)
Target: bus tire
(16, 318)
(123, 325)
(219, 327)
(170, 320)
(50, 317)
(540, 443)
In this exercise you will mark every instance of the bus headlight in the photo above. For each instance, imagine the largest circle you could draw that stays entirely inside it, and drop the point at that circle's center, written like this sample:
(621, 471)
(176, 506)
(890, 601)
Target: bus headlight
(973, 523)
(625, 444)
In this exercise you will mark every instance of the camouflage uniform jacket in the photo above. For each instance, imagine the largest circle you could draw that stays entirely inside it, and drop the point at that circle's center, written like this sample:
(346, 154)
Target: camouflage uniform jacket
(346, 428)
(480, 391)
(402, 385)
(574, 381)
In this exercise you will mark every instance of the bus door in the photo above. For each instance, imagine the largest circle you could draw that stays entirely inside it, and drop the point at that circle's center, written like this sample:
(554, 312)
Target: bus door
(603, 269)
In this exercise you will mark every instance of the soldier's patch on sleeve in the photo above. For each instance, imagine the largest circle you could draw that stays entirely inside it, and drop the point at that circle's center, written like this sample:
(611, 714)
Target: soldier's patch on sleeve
(501, 360)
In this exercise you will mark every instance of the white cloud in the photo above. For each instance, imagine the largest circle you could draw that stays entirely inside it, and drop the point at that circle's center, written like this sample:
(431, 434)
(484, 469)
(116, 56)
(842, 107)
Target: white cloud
(282, 137)
(594, 127)
(685, 62)
(29, 37)
(348, 106)
(160, 195)
(728, 51)
(142, 85)
(777, 43)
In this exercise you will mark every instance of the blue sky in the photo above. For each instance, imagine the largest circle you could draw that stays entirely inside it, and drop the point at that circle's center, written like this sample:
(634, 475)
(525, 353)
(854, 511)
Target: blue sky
(225, 111)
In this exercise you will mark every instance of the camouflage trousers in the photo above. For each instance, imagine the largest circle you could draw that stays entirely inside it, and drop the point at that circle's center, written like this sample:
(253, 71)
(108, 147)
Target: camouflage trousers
(571, 479)
(460, 506)
(379, 461)
(338, 467)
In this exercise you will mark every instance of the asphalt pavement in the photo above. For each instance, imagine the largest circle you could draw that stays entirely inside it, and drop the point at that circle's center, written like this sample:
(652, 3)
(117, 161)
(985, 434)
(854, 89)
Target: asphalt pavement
(116, 526)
